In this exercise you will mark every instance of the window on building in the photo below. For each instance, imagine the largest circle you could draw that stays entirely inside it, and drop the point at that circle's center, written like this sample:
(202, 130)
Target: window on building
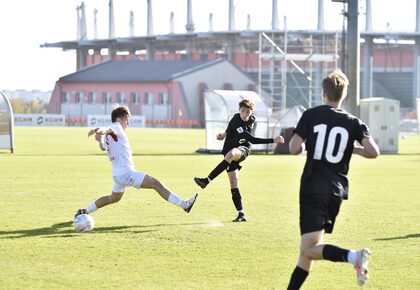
(148, 98)
(81, 97)
(135, 98)
(106, 98)
(77, 98)
(163, 98)
(120, 98)
(65, 97)
(92, 99)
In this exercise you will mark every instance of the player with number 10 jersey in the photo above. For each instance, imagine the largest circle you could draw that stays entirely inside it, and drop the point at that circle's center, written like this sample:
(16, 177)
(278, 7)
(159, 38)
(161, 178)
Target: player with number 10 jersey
(330, 134)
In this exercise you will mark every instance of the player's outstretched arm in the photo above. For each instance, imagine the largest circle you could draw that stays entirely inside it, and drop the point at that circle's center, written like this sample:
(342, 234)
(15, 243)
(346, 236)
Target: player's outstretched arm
(255, 140)
(279, 139)
(369, 148)
(101, 131)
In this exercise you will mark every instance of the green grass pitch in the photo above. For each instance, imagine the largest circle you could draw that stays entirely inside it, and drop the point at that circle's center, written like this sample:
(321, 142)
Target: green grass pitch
(143, 242)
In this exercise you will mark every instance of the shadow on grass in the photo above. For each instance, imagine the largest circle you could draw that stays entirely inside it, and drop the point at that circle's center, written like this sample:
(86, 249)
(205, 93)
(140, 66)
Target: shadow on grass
(412, 236)
(65, 229)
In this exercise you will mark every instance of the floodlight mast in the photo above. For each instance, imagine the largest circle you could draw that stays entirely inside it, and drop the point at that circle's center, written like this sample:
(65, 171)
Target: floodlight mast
(353, 55)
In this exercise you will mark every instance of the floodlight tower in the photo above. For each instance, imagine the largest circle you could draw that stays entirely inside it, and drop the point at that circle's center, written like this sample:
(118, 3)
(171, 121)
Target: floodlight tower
(190, 23)
(150, 46)
(274, 16)
(149, 18)
(353, 55)
(416, 65)
(83, 29)
(95, 24)
(367, 55)
(171, 23)
(131, 24)
(210, 22)
(231, 26)
(111, 32)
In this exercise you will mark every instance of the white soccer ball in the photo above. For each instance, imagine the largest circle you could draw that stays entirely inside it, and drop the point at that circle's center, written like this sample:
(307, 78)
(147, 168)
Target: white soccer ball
(83, 223)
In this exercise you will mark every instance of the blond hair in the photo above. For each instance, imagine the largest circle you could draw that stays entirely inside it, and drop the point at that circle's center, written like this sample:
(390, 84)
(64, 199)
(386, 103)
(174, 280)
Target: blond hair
(335, 85)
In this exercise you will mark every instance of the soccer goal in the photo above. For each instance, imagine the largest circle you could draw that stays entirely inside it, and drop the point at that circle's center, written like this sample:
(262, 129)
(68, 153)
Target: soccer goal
(6, 123)
(221, 105)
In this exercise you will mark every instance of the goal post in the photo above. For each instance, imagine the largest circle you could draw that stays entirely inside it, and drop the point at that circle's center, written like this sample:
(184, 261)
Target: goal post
(222, 105)
(6, 123)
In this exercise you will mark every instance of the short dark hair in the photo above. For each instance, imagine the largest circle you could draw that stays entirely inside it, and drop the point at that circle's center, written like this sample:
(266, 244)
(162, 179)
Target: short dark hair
(119, 112)
(334, 85)
(247, 104)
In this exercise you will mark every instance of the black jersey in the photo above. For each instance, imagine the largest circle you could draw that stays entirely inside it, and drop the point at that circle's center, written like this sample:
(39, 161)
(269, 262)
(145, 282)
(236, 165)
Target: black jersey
(329, 135)
(238, 133)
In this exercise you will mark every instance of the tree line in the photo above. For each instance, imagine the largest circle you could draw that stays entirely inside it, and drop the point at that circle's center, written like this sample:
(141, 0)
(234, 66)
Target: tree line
(33, 106)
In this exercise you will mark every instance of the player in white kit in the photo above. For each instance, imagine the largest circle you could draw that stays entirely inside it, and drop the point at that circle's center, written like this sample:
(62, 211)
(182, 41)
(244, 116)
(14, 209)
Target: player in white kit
(114, 140)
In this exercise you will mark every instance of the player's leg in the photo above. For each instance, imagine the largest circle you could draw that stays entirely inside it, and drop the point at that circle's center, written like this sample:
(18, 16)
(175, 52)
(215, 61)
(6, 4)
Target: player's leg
(165, 193)
(312, 249)
(318, 212)
(101, 202)
(309, 251)
(233, 155)
(311, 245)
(120, 183)
(359, 259)
(236, 195)
(106, 200)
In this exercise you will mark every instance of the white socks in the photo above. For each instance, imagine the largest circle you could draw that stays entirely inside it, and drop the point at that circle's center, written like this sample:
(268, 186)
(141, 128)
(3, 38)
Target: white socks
(351, 257)
(175, 199)
(91, 207)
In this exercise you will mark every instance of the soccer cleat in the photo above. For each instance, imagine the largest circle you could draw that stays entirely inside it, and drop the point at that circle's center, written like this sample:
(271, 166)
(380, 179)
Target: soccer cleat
(240, 218)
(201, 182)
(190, 203)
(81, 211)
(361, 266)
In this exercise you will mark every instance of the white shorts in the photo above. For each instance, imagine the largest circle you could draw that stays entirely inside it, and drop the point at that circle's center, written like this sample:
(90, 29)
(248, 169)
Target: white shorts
(131, 178)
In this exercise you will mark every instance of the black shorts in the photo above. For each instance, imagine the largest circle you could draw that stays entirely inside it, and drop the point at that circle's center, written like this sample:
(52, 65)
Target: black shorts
(234, 165)
(318, 211)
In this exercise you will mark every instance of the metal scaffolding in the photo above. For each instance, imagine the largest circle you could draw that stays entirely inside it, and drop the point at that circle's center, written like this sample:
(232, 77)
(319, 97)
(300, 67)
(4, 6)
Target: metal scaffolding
(288, 72)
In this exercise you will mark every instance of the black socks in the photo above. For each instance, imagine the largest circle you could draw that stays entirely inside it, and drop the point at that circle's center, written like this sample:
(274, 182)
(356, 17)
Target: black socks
(298, 277)
(237, 199)
(334, 253)
(218, 169)
(330, 253)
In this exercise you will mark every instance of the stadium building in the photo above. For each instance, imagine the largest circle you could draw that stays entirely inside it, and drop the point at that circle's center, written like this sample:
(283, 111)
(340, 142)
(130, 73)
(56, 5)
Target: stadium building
(286, 67)
(165, 92)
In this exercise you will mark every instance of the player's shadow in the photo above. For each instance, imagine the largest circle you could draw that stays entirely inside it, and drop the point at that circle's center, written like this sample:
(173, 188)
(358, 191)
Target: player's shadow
(66, 229)
(412, 236)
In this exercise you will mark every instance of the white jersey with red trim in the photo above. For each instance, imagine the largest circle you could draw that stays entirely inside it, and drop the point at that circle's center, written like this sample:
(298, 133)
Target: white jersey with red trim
(119, 150)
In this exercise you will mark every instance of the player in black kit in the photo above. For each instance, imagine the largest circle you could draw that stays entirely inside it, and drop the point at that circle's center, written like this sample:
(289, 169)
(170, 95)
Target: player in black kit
(236, 149)
(329, 134)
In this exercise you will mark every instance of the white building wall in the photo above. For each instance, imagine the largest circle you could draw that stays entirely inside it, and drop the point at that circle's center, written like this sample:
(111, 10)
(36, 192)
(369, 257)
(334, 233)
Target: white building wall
(215, 77)
(81, 110)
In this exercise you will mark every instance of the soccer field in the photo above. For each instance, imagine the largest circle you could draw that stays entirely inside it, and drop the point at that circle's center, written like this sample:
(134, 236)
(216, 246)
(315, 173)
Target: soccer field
(143, 242)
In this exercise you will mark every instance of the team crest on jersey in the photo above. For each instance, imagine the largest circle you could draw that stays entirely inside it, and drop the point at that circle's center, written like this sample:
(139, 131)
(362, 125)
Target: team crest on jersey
(240, 130)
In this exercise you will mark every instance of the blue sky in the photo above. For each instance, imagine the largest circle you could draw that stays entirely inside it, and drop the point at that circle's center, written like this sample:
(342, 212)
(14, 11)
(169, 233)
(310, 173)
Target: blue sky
(26, 24)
